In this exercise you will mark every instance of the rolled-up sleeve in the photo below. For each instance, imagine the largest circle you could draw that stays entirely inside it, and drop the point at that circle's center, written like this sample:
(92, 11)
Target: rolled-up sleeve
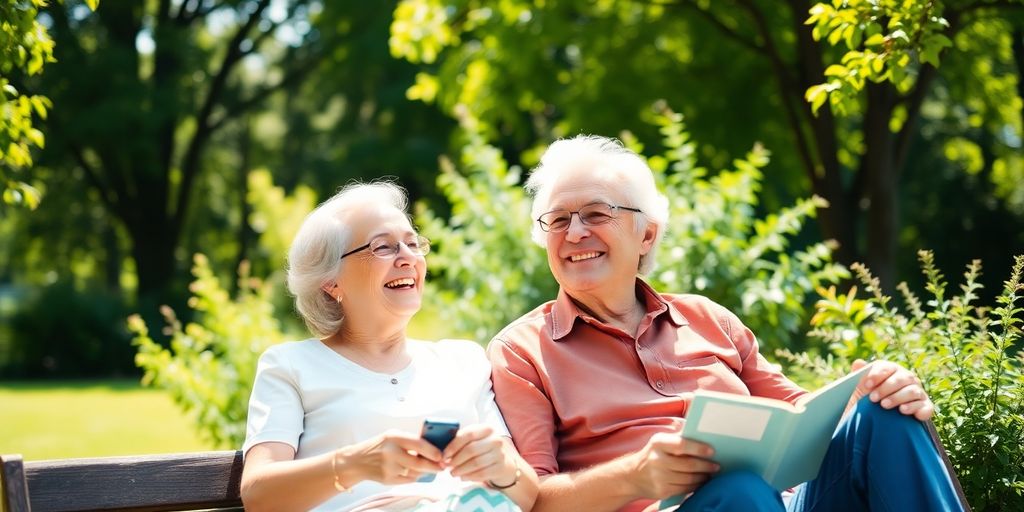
(527, 409)
(761, 377)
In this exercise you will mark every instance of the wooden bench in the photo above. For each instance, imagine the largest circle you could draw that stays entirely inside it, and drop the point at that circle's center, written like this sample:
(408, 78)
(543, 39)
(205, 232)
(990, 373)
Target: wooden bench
(179, 481)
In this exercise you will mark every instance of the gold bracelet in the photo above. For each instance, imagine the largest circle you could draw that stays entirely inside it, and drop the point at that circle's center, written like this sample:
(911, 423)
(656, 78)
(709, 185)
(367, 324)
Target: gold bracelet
(334, 470)
(493, 485)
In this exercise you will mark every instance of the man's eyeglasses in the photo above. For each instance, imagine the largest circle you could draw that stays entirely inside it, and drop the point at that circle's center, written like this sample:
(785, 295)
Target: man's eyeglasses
(383, 249)
(557, 221)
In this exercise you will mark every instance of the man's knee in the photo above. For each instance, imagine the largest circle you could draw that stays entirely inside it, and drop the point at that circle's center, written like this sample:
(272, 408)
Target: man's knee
(888, 419)
(740, 488)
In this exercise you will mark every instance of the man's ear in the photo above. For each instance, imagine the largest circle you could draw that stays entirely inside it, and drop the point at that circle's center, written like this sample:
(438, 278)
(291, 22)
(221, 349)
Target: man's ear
(650, 234)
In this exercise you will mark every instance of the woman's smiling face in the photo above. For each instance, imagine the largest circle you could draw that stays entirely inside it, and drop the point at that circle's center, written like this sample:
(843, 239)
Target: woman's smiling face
(369, 285)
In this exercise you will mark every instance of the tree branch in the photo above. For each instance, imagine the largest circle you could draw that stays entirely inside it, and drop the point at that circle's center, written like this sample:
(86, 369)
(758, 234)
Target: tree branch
(770, 50)
(93, 177)
(232, 111)
(190, 163)
(997, 4)
(163, 13)
(912, 103)
(728, 31)
(186, 17)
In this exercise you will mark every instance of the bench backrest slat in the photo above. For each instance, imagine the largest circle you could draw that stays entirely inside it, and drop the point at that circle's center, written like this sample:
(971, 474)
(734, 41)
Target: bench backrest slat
(181, 481)
(15, 490)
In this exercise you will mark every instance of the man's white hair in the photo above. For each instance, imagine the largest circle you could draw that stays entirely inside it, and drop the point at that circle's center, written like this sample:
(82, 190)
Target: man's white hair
(601, 158)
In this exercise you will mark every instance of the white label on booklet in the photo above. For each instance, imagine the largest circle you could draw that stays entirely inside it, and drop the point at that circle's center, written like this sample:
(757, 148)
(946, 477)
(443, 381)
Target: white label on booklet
(734, 421)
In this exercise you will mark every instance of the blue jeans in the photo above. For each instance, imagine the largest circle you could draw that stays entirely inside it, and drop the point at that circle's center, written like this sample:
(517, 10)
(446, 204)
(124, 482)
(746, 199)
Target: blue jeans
(878, 460)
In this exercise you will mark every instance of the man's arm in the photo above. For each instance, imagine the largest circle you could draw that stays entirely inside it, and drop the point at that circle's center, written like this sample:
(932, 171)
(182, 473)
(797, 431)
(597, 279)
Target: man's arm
(668, 465)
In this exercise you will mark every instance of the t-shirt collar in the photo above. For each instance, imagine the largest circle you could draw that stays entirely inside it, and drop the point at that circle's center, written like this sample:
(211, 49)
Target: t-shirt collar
(565, 312)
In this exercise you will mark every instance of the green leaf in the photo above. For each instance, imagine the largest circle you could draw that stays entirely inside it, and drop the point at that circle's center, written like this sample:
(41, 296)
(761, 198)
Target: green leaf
(875, 40)
(836, 70)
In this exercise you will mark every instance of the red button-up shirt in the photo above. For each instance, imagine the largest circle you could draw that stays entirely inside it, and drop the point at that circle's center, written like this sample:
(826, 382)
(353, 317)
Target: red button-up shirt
(576, 392)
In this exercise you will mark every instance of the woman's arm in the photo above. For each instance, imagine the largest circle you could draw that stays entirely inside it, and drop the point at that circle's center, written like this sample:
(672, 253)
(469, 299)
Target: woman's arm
(274, 480)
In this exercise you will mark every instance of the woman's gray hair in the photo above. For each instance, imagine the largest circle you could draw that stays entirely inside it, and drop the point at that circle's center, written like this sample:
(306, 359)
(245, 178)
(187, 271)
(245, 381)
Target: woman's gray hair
(607, 158)
(314, 258)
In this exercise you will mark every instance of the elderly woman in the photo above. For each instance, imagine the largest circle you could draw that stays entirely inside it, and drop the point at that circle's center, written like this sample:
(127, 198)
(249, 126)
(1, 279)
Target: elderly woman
(334, 421)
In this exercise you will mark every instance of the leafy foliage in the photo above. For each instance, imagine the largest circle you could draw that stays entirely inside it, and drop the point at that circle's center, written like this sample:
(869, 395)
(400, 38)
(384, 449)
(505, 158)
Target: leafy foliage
(528, 71)
(487, 272)
(968, 356)
(25, 47)
(717, 245)
(886, 41)
(211, 364)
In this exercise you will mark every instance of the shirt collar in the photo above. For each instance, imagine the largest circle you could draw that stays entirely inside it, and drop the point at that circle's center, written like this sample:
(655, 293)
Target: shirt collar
(565, 312)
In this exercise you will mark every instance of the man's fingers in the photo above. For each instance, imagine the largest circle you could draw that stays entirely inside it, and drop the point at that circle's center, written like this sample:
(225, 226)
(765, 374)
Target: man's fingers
(464, 437)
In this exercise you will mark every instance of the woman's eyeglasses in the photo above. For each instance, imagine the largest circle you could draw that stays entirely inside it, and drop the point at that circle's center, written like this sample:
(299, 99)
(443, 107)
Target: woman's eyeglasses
(383, 249)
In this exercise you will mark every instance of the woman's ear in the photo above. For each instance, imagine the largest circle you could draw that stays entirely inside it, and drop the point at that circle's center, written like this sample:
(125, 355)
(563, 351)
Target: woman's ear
(330, 289)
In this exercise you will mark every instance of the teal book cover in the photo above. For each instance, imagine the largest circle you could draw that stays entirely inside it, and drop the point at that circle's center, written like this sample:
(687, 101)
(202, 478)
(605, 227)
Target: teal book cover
(784, 443)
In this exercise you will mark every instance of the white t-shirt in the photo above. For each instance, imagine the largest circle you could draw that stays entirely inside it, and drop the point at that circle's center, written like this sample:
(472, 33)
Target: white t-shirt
(316, 400)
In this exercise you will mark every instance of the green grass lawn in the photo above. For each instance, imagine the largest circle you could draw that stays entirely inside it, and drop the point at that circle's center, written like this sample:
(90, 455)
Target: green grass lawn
(61, 419)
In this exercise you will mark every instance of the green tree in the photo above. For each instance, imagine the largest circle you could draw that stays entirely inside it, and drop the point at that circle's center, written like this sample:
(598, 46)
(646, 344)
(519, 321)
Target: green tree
(737, 68)
(25, 47)
(146, 89)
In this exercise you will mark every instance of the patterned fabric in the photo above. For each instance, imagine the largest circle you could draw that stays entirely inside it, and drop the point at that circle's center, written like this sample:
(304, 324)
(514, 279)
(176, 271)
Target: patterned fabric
(474, 499)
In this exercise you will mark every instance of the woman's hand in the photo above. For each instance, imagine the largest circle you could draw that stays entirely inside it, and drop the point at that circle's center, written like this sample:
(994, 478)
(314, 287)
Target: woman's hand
(891, 385)
(393, 457)
(479, 455)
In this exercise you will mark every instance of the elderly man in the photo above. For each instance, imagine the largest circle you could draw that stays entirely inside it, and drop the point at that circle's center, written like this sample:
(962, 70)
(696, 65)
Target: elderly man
(594, 385)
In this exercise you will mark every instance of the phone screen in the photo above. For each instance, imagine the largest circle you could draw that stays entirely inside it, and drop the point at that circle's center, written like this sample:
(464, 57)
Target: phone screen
(439, 432)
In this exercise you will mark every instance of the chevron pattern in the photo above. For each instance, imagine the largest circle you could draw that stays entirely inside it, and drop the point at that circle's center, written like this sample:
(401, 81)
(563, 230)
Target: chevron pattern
(474, 499)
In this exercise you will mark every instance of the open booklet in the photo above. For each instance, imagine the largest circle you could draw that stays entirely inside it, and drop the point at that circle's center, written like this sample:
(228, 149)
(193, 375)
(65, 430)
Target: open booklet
(782, 442)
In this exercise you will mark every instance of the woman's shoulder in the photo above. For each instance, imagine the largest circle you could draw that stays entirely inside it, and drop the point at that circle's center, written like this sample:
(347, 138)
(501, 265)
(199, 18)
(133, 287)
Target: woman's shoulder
(292, 349)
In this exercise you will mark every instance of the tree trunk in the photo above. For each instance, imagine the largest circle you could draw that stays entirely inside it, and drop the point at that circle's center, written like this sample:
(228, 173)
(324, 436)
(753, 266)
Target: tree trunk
(111, 259)
(839, 221)
(153, 252)
(881, 184)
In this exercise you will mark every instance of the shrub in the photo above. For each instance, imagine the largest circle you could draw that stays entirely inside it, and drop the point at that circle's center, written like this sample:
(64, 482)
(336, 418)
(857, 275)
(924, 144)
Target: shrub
(61, 331)
(968, 357)
(210, 366)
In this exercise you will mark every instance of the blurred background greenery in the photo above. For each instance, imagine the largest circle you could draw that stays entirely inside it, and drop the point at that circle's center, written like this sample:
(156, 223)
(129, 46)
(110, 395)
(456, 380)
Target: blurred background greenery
(156, 158)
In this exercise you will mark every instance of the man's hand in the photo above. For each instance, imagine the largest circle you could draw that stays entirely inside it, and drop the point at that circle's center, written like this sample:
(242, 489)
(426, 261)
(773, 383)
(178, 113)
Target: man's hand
(480, 455)
(891, 385)
(669, 465)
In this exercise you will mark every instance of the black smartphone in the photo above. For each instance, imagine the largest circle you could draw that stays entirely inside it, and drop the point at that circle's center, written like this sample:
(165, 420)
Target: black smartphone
(439, 432)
